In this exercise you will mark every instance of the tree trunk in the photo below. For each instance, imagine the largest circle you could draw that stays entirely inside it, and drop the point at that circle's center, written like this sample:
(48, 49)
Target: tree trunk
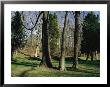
(36, 52)
(92, 55)
(62, 60)
(12, 55)
(76, 39)
(46, 61)
(96, 53)
(87, 56)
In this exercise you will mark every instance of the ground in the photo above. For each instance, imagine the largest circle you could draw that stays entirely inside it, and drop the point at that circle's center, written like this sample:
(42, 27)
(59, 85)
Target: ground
(29, 67)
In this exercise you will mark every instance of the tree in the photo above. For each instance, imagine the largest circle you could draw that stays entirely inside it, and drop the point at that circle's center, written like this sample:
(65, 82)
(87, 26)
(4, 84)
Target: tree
(46, 61)
(77, 34)
(35, 25)
(53, 34)
(91, 35)
(62, 60)
(31, 29)
(69, 42)
(18, 35)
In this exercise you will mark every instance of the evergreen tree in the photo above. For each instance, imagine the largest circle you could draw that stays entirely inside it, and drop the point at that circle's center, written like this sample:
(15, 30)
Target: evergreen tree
(18, 35)
(53, 34)
(91, 35)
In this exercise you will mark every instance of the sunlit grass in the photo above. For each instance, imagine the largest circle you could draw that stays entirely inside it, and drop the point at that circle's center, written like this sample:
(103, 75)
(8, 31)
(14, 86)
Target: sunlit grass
(26, 67)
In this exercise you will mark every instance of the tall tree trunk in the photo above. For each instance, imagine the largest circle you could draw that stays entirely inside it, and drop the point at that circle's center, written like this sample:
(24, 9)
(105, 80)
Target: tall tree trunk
(92, 55)
(46, 61)
(62, 60)
(12, 52)
(76, 39)
(87, 56)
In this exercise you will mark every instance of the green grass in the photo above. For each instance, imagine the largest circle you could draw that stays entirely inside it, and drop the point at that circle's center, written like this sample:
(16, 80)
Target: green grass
(28, 71)
(29, 67)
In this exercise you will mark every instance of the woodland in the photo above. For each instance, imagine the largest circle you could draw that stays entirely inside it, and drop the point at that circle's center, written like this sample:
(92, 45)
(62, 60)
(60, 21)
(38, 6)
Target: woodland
(55, 44)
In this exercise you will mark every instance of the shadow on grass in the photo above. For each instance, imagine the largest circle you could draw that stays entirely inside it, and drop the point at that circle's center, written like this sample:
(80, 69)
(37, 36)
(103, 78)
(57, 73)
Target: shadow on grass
(24, 63)
(80, 70)
(67, 59)
(95, 63)
(23, 74)
(80, 61)
(34, 58)
(56, 68)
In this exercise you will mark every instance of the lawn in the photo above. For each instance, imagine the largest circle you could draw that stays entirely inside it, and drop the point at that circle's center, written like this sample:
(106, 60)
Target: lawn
(29, 67)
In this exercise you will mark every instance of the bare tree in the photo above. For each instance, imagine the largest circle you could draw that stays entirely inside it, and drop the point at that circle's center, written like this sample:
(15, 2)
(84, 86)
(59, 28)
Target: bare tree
(33, 24)
(33, 27)
(62, 60)
(76, 38)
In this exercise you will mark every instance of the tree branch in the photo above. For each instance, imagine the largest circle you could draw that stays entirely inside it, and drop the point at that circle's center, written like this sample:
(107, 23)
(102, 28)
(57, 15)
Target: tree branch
(31, 21)
(35, 22)
(73, 12)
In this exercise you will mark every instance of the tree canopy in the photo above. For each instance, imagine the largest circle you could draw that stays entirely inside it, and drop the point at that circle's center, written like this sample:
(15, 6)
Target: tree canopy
(53, 33)
(91, 33)
(18, 35)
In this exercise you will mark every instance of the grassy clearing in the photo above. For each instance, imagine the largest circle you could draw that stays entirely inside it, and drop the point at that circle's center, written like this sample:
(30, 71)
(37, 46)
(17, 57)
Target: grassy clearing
(29, 67)
(28, 71)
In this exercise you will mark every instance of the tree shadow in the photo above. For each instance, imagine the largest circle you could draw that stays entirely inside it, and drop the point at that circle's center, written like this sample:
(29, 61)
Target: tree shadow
(23, 74)
(34, 58)
(80, 70)
(25, 63)
(80, 61)
(67, 59)
(57, 58)
(56, 68)
(95, 63)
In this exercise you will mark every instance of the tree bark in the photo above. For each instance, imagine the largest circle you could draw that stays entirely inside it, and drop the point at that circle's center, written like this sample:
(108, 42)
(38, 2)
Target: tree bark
(87, 56)
(62, 60)
(46, 61)
(12, 52)
(92, 55)
(76, 39)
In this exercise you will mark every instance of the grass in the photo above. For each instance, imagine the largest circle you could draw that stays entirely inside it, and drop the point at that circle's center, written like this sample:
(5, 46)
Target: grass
(28, 67)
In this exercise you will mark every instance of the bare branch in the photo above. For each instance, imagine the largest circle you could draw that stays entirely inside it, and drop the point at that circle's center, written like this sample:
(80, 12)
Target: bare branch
(35, 22)
(73, 12)
(32, 21)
